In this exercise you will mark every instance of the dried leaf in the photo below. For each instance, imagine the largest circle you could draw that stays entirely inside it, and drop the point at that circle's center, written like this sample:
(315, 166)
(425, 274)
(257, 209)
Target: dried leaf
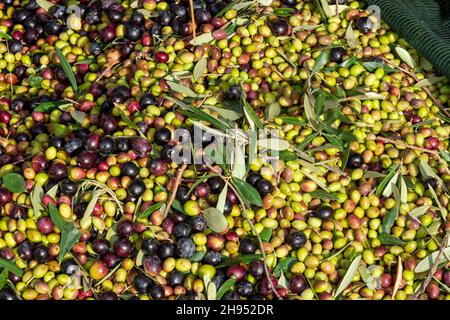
(215, 219)
(46, 5)
(442, 210)
(337, 9)
(398, 277)
(265, 3)
(251, 116)
(36, 200)
(373, 96)
(349, 275)
(91, 205)
(326, 8)
(429, 82)
(200, 68)
(239, 167)
(139, 258)
(252, 148)
(405, 56)
(350, 37)
(52, 192)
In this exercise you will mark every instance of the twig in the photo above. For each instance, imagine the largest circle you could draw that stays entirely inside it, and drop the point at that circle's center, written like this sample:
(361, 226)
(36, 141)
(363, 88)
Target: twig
(435, 265)
(433, 152)
(174, 191)
(428, 92)
(194, 25)
(266, 270)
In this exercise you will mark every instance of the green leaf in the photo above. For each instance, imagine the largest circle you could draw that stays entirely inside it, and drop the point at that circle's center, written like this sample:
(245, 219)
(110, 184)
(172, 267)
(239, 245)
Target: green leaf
(200, 68)
(246, 258)
(11, 267)
(419, 211)
(349, 275)
(182, 89)
(266, 234)
(273, 144)
(3, 278)
(349, 62)
(215, 220)
(238, 165)
(36, 200)
(67, 69)
(150, 210)
(371, 66)
(429, 82)
(350, 37)
(386, 238)
(222, 198)
(405, 56)
(198, 256)
(272, 111)
(373, 174)
(52, 192)
(247, 192)
(200, 180)
(226, 286)
(287, 155)
(389, 219)
(14, 182)
(427, 263)
(403, 190)
(283, 266)
(307, 141)
(78, 116)
(35, 81)
(49, 105)
(392, 171)
(293, 120)
(69, 236)
(225, 113)
(321, 61)
(56, 217)
(202, 39)
(321, 194)
(250, 113)
(5, 36)
(320, 104)
(251, 148)
(345, 156)
(177, 206)
(310, 115)
(46, 5)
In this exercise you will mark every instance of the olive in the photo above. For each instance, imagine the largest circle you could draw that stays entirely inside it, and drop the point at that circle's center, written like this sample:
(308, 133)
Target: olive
(136, 188)
(234, 92)
(181, 230)
(355, 160)
(324, 212)
(142, 283)
(106, 145)
(336, 54)
(175, 278)
(162, 136)
(100, 246)
(7, 294)
(129, 169)
(166, 250)
(244, 288)
(68, 187)
(280, 27)
(183, 193)
(364, 25)
(185, 248)
(247, 246)
(212, 258)
(264, 187)
(297, 239)
(149, 246)
(132, 32)
(41, 254)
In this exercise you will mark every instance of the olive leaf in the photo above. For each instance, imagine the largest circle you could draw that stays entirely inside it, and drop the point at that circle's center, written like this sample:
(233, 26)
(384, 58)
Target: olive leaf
(283, 266)
(36, 197)
(273, 144)
(293, 120)
(321, 60)
(139, 258)
(225, 287)
(198, 256)
(393, 170)
(272, 111)
(146, 13)
(182, 89)
(225, 113)
(310, 115)
(252, 148)
(5, 36)
(386, 238)
(337, 9)
(367, 277)
(222, 198)
(316, 180)
(67, 68)
(200, 68)
(211, 290)
(427, 172)
(373, 174)
(200, 180)
(427, 263)
(70, 235)
(405, 56)
(372, 96)
(389, 219)
(202, 39)
(251, 115)
(429, 82)
(246, 258)
(349, 62)
(425, 64)
(403, 190)
(11, 267)
(266, 234)
(46, 5)
(3, 278)
(78, 116)
(326, 8)
(350, 37)
(215, 220)
(52, 192)
(282, 282)
(321, 194)
(35, 81)
(247, 192)
(265, 3)
(419, 211)
(91, 205)
(14, 182)
(147, 212)
(442, 210)
(349, 275)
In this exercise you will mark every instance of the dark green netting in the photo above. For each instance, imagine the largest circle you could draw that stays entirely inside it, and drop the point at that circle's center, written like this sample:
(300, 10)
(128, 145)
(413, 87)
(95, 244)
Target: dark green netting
(425, 24)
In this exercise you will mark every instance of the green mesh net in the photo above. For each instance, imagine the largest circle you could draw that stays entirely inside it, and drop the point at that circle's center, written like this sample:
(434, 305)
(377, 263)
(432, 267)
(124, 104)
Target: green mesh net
(425, 24)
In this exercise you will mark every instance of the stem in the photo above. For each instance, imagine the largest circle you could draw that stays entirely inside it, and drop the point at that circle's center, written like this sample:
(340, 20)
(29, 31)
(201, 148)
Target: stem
(194, 25)
(435, 265)
(174, 192)
(433, 152)
(428, 92)
(266, 270)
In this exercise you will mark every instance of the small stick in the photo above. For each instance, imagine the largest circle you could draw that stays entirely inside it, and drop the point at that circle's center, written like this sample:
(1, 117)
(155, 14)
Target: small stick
(194, 25)
(174, 192)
